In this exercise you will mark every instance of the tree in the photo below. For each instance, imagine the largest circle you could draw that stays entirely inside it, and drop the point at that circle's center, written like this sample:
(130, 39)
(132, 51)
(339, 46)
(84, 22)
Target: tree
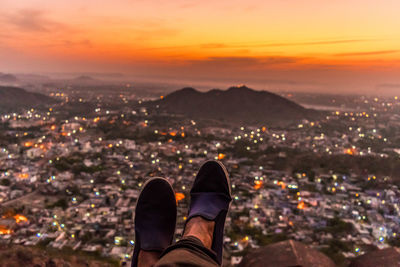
(5, 182)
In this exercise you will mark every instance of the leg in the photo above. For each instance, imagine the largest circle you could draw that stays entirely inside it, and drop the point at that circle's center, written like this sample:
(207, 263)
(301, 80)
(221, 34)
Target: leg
(155, 219)
(202, 240)
(200, 228)
(210, 198)
(188, 252)
(148, 258)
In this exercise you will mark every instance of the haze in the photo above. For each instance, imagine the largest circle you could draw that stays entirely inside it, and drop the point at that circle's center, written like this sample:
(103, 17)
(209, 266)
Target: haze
(310, 45)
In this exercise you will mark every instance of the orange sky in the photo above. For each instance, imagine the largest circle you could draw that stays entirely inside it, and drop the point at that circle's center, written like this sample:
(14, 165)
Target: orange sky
(341, 44)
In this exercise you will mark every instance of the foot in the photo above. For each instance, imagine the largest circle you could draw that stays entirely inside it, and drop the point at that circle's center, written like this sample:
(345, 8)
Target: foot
(202, 229)
(209, 205)
(155, 219)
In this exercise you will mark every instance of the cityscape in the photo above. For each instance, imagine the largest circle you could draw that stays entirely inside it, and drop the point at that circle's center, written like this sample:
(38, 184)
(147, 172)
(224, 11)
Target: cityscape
(71, 172)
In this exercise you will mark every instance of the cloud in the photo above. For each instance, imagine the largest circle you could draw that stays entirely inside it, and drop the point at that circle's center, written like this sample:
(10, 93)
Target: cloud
(137, 29)
(153, 33)
(389, 85)
(32, 20)
(368, 53)
(33, 32)
(214, 45)
(243, 62)
(263, 45)
(323, 42)
(330, 42)
(82, 43)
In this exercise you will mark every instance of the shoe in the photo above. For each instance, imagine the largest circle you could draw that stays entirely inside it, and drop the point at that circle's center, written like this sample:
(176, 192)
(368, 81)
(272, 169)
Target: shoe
(210, 199)
(155, 217)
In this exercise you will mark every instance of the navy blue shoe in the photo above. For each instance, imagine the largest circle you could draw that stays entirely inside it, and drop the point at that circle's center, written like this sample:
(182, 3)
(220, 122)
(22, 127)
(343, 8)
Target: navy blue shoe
(210, 199)
(155, 217)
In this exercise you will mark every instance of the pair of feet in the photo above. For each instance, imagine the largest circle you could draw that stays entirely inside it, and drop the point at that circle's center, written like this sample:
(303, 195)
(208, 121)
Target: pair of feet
(155, 214)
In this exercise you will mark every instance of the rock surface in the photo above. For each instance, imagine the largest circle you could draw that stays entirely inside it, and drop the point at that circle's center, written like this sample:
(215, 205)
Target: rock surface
(378, 258)
(286, 253)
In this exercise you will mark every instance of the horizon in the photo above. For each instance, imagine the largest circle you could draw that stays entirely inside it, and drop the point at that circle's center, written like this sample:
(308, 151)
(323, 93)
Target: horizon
(308, 46)
(170, 86)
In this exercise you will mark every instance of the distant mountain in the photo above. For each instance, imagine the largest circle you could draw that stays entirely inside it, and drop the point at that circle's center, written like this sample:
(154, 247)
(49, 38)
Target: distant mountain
(237, 105)
(32, 77)
(84, 78)
(13, 98)
(7, 78)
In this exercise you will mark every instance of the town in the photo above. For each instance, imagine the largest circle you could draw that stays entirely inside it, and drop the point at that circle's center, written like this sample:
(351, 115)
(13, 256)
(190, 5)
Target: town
(69, 178)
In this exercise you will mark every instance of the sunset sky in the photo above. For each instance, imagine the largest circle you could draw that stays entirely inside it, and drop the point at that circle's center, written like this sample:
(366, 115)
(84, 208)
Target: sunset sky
(343, 45)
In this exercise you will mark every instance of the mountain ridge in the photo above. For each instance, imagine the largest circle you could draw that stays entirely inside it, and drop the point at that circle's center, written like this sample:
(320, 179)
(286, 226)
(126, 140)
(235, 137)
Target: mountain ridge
(7, 78)
(14, 98)
(238, 104)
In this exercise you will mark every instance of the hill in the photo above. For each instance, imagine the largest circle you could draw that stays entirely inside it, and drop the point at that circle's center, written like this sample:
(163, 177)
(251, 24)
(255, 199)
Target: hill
(14, 98)
(239, 105)
(84, 78)
(7, 78)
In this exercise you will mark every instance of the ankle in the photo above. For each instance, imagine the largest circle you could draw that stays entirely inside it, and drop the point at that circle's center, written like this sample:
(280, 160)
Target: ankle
(148, 258)
(201, 229)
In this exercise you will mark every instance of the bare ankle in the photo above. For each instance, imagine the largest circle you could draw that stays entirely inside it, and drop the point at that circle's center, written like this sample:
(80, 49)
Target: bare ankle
(148, 258)
(201, 229)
